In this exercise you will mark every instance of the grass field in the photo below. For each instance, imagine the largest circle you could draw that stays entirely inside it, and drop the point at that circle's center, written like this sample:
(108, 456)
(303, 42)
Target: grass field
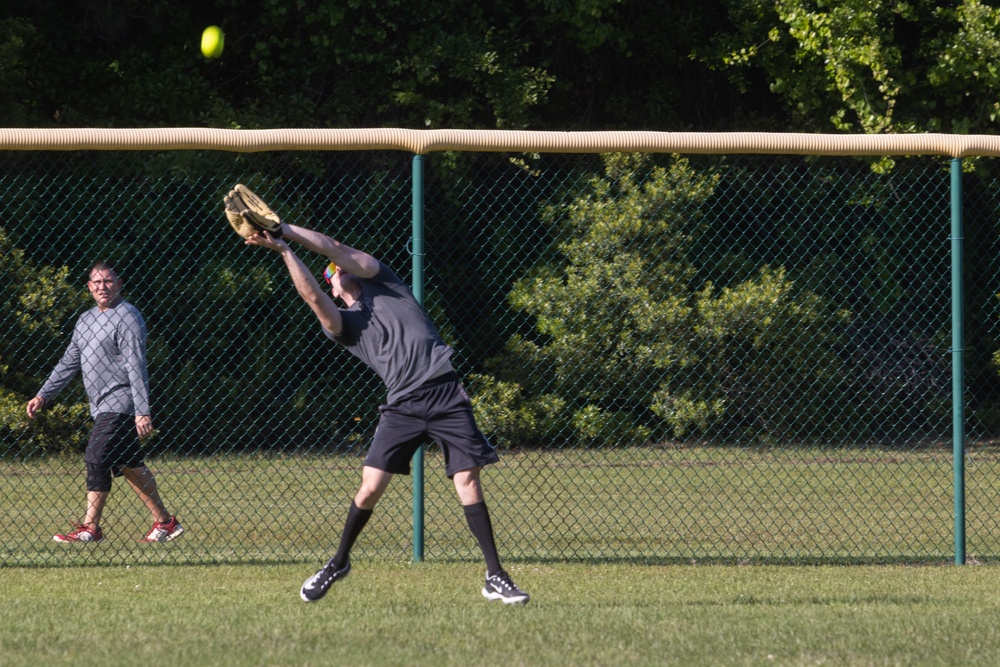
(648, 505)
(644, 556)
(433, 614)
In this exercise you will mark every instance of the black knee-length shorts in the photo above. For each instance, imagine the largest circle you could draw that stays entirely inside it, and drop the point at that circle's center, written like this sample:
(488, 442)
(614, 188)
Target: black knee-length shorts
(439, 410)
(114, 444)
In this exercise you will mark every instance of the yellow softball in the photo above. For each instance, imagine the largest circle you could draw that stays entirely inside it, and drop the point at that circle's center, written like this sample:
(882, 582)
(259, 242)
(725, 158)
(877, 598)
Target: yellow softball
(212, 41)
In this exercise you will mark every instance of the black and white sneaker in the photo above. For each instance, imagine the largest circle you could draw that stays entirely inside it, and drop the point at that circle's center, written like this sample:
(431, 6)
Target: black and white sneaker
(317, 585)
(500, 587)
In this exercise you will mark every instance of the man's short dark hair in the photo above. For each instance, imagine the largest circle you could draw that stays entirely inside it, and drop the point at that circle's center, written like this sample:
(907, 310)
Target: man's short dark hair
(103, 266)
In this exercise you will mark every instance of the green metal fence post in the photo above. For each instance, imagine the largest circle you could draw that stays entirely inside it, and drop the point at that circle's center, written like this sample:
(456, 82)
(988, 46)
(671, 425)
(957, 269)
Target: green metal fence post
(957, 359)
(417, 242)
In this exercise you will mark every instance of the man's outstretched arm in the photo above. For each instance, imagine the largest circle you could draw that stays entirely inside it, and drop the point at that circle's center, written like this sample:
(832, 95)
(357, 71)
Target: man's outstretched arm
(355, 262)
(322, 305)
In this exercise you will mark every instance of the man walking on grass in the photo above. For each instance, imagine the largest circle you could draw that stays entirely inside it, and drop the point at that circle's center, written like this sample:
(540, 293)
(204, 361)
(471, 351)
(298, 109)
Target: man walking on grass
(109, 347)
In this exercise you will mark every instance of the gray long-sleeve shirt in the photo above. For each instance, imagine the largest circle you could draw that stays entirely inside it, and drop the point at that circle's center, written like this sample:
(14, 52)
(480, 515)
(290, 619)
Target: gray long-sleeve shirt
(110, 349)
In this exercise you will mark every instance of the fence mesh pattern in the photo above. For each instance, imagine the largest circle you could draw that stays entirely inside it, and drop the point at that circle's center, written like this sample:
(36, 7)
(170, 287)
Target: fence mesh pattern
(733, 359)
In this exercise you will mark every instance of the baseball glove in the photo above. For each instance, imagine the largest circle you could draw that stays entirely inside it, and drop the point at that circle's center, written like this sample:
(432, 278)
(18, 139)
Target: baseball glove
(248, 214)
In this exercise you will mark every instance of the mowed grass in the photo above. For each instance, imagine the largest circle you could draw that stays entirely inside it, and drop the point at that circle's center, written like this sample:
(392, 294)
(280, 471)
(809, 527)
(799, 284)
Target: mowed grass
(657, 505)
(433, 614)
(643, 556)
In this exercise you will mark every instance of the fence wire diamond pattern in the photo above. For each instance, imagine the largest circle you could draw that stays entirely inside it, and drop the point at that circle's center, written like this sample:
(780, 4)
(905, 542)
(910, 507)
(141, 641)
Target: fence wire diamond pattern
(735, 359)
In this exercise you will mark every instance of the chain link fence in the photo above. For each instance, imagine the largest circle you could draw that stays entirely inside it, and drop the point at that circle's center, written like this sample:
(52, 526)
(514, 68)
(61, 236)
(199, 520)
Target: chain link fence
(713, 358)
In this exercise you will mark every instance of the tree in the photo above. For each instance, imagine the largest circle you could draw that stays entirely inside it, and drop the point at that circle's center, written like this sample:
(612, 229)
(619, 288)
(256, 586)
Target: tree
(629, 346)
(37, 303)
(869, 66)
(367, 63)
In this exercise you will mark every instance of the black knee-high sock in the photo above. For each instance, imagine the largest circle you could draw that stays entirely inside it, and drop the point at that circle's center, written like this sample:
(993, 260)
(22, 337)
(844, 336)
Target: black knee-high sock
(482, 528)
(356, 520)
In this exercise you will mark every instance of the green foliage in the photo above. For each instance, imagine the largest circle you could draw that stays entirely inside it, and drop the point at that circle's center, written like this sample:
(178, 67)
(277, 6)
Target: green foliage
(513, 418)
(37, 302)
(17, 38)
(618, 306)
(869, 65)
(966, 66)
(594, 426)
(617, 309)
(313, 64)
(57, 429)
(622, 294)
(636, 346)
(327, 63)
(846, 65)
(759, 344)
(38, 299)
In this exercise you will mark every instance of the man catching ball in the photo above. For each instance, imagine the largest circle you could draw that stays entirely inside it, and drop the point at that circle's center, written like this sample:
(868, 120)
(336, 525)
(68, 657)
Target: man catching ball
(382, 324)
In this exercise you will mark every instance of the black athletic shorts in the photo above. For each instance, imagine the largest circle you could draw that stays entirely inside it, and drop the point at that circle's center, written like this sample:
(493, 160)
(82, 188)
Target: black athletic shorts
(114, 444)
(439, 410)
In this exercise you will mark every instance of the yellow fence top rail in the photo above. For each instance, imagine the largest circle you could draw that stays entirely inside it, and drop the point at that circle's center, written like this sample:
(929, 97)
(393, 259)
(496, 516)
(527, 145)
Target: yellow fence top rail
(523, 141)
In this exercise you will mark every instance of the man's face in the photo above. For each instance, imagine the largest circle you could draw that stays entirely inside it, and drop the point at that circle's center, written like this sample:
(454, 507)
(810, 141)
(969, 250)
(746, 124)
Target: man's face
(341, 282)
(105, 287)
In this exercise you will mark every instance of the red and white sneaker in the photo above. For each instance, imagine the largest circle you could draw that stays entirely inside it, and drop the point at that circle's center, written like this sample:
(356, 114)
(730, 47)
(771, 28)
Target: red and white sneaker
(164, 531)
(81, 533)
